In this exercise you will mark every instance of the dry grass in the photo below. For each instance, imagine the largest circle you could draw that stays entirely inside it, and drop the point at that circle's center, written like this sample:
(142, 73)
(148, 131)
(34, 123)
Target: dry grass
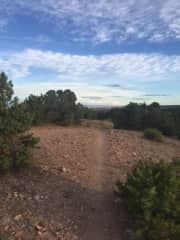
(105, 124)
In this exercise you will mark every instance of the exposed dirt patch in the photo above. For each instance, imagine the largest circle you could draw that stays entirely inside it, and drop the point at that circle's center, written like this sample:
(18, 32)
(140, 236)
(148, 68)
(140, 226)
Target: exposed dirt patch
(128, 147)
(68, 194)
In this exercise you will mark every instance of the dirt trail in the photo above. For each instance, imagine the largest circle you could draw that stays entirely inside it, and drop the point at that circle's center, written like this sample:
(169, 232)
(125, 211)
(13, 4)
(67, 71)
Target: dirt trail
(87, 155)
(68, 192)
(103, 223)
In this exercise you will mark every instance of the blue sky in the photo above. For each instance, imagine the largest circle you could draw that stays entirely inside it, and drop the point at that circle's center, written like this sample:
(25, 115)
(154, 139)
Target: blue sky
(108, 52)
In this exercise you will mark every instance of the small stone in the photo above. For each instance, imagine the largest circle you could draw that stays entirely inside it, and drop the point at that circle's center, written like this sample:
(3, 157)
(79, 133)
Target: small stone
(41, 197)
(37, 197)
(134, 154)
(63, 169)
(40, 227)
(66, 156)
(15, 194)
(18, 217)
(6, 228)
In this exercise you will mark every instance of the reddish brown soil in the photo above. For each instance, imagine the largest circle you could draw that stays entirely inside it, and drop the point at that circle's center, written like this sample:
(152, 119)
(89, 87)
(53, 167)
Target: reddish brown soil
(68, 193)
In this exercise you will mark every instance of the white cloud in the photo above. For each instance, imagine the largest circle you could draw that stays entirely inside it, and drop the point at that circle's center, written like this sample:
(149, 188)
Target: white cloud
(77, 67)
(131, 30)
(103, 35)
(102, 76)
(170, 14)
(104, 20)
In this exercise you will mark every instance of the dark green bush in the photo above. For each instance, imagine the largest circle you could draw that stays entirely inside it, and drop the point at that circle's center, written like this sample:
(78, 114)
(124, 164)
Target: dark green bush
(153, 134)
(15, 121)
(152, 197)
(59, 107)
(136, 116)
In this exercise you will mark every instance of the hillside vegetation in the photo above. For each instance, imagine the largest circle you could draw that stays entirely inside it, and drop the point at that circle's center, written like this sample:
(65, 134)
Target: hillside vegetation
(55, 107)
(15, 142)
(139, 117)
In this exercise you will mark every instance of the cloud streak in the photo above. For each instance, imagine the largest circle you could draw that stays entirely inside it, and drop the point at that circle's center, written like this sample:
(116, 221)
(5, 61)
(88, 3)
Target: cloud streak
(156, 95)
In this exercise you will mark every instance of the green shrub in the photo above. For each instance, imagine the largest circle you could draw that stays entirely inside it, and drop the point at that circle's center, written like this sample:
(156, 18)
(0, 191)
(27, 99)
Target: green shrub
(153, 134)
(59, 107)
(152, 197)
(15, 121)
(136, 116)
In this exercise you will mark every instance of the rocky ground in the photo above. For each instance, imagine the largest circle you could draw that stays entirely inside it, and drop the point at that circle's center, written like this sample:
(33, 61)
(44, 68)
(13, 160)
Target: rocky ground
(68, 192)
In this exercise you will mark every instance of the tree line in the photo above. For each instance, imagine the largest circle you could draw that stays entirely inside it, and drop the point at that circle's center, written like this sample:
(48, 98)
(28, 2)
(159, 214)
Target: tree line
(61, 107)
(55, 107)
(139, 117)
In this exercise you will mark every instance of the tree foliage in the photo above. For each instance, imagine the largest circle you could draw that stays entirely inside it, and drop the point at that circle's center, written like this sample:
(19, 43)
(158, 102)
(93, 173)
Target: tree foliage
(151, 195)
(141, 116)
(15, 121)
(55, 107)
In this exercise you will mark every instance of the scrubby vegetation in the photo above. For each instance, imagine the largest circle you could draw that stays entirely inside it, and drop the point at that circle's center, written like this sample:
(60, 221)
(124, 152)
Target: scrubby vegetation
(141, 116)
(55, 107)
(59, 107)
(15, 121)
(153, 134)
(152, 197)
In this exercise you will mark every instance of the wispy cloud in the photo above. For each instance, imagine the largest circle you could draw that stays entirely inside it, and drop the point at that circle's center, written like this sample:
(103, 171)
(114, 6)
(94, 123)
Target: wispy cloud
(39, 39)
(116, 96)
(102, 21)
(119, 86)
(93, 78)
(138, 99)
(117, 66)
(156, 95)
(115, 85)
(92, 98)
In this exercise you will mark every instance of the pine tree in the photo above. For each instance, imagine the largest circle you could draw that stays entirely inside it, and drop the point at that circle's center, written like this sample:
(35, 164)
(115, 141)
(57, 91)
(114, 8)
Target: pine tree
(15, 121)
